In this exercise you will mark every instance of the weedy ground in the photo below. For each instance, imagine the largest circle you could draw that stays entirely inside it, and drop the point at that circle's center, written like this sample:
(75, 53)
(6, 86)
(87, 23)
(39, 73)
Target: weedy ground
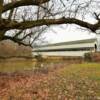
(63, 82)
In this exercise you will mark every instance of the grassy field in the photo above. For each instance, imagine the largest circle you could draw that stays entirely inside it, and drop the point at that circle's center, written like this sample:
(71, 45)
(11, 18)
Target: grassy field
(67, 82)
(13, 66)
(89, 70)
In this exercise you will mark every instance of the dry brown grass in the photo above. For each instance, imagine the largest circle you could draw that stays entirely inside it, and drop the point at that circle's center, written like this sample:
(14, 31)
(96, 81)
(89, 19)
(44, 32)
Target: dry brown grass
(66, 82)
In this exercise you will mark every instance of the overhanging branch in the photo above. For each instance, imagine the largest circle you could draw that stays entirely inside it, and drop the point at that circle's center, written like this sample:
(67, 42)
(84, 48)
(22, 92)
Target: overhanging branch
(19, 41)
(16, 4)
(41, 22)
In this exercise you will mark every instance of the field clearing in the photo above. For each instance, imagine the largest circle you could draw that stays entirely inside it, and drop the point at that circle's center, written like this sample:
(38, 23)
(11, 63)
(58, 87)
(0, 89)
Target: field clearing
(89, 70)
(13, 66)
(67, 82)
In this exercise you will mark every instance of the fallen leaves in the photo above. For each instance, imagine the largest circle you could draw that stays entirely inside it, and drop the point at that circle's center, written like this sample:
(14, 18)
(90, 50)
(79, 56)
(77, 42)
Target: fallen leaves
(47, 86)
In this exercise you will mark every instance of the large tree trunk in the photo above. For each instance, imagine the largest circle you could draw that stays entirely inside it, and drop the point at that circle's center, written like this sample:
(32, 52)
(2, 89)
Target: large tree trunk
(1, 8)
(2, 32)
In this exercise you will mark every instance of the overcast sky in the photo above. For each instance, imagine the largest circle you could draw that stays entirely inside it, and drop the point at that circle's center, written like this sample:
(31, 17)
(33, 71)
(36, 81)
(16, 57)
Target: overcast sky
(63, 33)
(70, 33)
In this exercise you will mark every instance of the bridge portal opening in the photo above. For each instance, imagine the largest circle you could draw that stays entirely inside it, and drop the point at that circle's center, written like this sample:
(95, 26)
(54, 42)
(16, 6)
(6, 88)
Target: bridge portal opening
(95, 47)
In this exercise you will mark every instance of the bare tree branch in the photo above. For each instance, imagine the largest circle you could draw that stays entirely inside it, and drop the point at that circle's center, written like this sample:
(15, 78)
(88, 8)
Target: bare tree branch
(29, 24)
(19, 3)
(31, 15)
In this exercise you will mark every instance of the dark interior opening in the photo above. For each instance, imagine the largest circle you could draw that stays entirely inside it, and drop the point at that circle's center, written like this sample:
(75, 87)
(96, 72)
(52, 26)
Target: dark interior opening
(95, 47)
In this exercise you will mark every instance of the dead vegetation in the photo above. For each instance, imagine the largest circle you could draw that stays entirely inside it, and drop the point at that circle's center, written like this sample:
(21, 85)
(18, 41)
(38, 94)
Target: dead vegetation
(66, 82)
(11, 49)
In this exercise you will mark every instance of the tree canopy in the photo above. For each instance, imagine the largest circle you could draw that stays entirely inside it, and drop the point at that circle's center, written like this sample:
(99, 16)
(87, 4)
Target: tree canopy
(23, 21)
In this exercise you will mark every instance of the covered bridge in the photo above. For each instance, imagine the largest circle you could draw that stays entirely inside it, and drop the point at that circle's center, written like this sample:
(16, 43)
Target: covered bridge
(71, 48)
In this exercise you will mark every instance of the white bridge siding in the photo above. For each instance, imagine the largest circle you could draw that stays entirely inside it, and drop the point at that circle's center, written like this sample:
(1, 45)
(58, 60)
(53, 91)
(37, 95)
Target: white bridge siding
(67, 46)
(73, 48)
(61, 53)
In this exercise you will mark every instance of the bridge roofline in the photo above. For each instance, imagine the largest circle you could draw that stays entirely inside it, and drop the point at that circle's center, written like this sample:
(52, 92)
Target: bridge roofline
(71, 42)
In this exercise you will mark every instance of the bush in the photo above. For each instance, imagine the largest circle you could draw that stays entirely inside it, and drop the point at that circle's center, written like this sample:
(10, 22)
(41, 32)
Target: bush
(11, 49)
(88, 57)
(92, 57)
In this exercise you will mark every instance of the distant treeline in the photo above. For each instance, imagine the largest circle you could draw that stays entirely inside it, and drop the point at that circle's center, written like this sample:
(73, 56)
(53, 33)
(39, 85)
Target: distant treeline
(10, 49)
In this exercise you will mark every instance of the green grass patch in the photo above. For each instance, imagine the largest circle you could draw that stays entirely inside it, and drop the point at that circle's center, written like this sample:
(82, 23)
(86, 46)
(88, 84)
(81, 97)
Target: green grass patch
(89, 70)
(13, 66)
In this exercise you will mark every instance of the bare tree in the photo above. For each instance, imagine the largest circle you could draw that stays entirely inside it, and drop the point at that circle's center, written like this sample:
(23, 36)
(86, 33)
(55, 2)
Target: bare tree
(28, 18)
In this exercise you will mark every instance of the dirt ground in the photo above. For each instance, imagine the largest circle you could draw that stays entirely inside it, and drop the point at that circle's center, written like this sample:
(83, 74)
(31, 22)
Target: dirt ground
(59, 83)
